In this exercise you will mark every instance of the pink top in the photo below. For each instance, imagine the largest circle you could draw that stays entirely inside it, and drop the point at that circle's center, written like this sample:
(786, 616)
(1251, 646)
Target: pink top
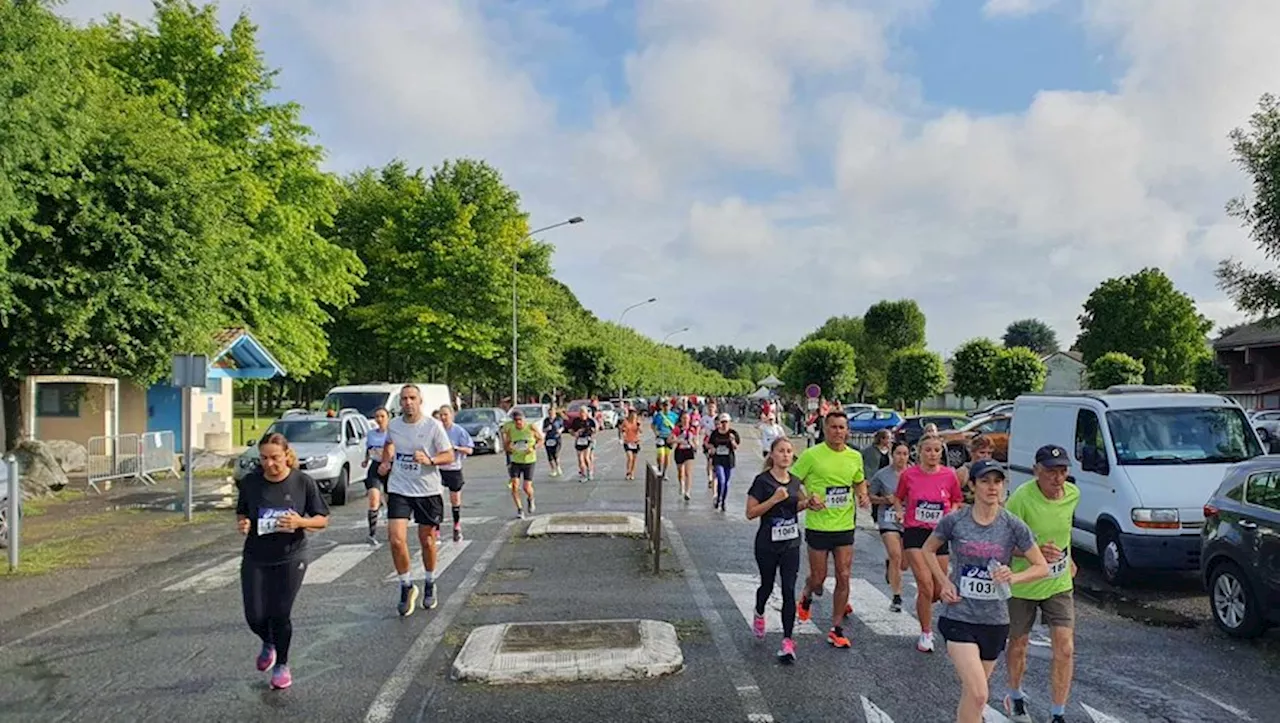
(927, 498)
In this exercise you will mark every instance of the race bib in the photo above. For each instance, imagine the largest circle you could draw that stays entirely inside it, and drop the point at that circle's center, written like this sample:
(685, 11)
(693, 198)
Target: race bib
(552, 442)
(406, 463)
(660, 442)
(929, 513)
(784, 528)
(888, 516)
(976, 584)
(632, 446)
(582, 443)
(1060, 568)
(837, 496)
(269, 520)
(521, 445)
(722, 451)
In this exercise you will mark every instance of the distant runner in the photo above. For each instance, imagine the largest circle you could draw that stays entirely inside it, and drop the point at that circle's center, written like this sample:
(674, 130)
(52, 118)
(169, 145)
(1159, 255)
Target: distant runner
(707, 425)
(583, 428)
(662, 423)
(776, 498)
(451, 474)
(724, 443)
(883, 486)
(685, 440)
(552, 427)
(770, 431)
(375, 482)
(980, 448)
(522, 446)
(629, 434)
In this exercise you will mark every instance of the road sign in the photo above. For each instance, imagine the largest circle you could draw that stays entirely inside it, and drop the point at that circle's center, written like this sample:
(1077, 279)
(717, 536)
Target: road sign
(812, 405)
(813, 391)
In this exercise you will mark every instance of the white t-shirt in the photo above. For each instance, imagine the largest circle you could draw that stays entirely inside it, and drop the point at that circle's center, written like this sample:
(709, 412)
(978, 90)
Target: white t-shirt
(409, 478)
(770, 432)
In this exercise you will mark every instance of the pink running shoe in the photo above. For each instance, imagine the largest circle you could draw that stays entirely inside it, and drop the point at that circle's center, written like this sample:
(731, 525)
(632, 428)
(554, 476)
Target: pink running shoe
(787, 654)
(266, 658)
(281, 678)
(757, 626)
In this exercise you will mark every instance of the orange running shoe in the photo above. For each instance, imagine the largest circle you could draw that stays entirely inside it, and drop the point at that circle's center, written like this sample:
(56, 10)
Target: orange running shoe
(802, 610)
(837, 639)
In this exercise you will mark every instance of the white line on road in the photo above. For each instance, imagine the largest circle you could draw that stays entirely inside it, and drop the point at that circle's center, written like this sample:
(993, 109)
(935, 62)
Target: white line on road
(873, 713)
(211, 579)
(364, 524)
(991, 715)
(742, 588)
(872, 607)
(335, 563)
(388, 699)
(1242, 715)
(446, 552)
(1100, 717)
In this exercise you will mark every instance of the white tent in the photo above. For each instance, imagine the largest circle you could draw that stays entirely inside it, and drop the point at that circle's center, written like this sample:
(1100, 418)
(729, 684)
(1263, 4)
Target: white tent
(761, 393)
(770, 382)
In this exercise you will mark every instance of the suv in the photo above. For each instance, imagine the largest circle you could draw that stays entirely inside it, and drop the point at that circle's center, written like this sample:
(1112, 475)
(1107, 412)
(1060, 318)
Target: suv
(994, 427)
(1240, 548)
(330, 448)
(911, 429)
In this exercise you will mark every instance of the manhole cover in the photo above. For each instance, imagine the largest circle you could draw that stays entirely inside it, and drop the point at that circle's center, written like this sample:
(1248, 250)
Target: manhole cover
(491, 599)
(550, 637)
(512, 573)
(589, 520)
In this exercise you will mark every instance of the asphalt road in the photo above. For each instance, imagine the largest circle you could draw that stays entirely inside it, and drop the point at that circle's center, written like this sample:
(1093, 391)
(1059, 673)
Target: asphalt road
(168, 641)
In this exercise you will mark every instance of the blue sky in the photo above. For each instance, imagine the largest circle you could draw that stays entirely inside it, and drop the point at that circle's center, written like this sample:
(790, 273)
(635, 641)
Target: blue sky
(763, 164)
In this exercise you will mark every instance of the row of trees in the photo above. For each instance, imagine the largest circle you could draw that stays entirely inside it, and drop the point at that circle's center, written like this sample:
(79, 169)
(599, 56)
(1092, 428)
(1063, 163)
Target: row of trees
(735, 363)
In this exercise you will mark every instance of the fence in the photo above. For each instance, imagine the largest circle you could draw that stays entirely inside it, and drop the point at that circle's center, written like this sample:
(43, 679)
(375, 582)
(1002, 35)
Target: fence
(653, 514)
(11, 509)
(130, 456)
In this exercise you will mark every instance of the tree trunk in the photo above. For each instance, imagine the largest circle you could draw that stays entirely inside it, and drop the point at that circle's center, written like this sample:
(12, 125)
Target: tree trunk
(11, 401)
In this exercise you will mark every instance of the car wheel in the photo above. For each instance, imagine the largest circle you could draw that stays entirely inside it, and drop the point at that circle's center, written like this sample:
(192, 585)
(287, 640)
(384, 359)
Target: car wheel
(956, 455)
(1115, 566)
(339, 494)
(1233, 602)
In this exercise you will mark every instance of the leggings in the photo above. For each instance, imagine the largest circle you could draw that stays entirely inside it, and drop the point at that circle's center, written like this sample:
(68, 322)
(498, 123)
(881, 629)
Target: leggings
(269, 592)
(723, 474)
(770, 560)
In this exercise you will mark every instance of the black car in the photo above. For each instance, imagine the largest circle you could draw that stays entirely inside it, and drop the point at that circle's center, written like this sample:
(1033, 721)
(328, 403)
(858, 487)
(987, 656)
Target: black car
(1240, 548)
(911, 429)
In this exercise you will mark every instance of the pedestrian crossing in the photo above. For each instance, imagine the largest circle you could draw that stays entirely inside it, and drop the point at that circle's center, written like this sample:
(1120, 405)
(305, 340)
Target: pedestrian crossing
(382, 522)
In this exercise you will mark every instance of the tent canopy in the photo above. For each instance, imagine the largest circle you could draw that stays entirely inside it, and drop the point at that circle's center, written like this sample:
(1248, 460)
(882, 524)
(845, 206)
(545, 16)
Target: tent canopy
(761, 393)
(770, 382)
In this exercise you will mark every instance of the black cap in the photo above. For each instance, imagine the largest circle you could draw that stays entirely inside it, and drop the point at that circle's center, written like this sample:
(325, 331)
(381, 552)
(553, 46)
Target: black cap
(984, 467)
(1051, 455)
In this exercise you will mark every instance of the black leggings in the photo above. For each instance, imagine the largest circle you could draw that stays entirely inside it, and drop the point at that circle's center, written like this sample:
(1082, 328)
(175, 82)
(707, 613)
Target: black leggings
(770, 560)
(269, 592)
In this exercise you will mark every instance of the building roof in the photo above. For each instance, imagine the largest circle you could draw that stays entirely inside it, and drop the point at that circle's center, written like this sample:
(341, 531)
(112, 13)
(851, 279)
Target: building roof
(1072, 355)
(1260, 333)
(241, 356)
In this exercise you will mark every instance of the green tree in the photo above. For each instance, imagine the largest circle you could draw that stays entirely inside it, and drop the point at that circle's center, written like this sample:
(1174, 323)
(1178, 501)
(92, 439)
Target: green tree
(1018, 371)
(1210, 375)
(1146, 317)
(973, 368)
(850, 330)
(589, 368)
(888, 327)
(1032, 334)
(829, 364)
(915, 375)
(1115, 368)
(1257, 151)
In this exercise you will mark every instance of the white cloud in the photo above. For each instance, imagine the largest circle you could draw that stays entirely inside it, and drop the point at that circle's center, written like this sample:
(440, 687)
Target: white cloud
(997, 8)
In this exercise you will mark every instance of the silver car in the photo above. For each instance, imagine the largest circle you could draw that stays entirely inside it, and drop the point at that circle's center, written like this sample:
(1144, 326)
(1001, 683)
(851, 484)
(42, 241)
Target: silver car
(482, 424)
(330, 449)
(534, 414)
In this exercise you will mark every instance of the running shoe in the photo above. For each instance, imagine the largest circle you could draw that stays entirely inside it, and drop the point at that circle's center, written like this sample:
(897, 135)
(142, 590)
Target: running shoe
(281, 678)
(896, 605)
(787, 654)
(925, 643)
(757, 626)
(428, 596)
(457, 532)
(408, 598)
(1059, 719)
(1017, 709)
(373, 542)
(531, 506)
(837, 639)
(803, 613)
(519, 513)
(266, 658)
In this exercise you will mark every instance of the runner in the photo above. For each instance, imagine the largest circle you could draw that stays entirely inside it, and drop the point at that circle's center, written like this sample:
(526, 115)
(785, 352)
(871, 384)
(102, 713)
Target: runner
(776, 498)
(926, 493)
(662, 423)
(876, 455)
(707, 425)
(552, 428)
(451, 474)
(770, 431)
(980, 448)
(375, 482)
(685, 439)
(274, 559)
(522, 447)
(1047, 506)
(883, 485)
(830, 471)
(629, 434)
(583, 429)
(416, 447)
(724, 443)
(975, 617)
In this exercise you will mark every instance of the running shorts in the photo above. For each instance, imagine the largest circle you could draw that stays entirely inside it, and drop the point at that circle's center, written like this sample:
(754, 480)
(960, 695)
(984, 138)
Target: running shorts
(631, 447)
(913, 539)
(553, 448)
(685, 454)
(521, 470)
(1057, 611)
(827, 541)
(423, 510)
(990, 639)
(373, 480)
(582, 444)
(452, 478)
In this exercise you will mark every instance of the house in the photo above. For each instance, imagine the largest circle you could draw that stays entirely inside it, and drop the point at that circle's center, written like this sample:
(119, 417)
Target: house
(1251, 356)
(1065, 371)
(77, 407)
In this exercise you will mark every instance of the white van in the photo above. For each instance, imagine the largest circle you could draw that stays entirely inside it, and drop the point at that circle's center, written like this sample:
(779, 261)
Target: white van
(1146, 459)
(365, 398)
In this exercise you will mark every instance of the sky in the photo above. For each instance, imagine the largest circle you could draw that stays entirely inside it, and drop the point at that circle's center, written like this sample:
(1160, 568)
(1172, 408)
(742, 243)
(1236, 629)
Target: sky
(762, 165)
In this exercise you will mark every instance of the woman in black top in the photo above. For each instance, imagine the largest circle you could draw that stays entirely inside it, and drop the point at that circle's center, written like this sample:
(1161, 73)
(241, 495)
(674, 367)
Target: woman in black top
(723, 443)
(275, 507)
(777, 499)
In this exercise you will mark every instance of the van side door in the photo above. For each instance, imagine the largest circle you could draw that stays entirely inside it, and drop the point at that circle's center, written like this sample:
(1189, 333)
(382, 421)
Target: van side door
(1092, 473)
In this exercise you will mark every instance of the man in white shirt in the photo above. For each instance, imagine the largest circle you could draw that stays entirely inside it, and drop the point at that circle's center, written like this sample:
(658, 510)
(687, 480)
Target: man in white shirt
(417, 445)
(769, 431)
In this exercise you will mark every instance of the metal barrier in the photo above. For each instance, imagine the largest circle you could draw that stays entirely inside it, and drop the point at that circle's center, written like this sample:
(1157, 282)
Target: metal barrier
(159, 454)
(11, 510)
(130, 457)
(653, 514)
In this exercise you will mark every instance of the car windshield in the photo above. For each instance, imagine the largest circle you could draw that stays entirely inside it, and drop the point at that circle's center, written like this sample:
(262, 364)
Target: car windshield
(606, 406)
(363, 402)
(530, 411)
(1181, 435)
(476, 416)
(307, 431)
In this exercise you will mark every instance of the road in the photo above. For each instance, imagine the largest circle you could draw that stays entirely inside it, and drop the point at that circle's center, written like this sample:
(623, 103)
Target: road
(168, 642)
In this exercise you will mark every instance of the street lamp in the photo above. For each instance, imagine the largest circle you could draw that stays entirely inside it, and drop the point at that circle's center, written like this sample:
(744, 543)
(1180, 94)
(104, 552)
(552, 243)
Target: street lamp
(622, 316)
(677, 331)
(515, 399)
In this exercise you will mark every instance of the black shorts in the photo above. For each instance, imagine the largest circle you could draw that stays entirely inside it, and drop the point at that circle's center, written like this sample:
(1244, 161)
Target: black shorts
(827, 541)
(913, 539)
(685, 454)
(553, 450)
(373, 480)
(521, 470)
(990, 639)
(423, 510)
(631, 447)
(579, 447)
(452, 479)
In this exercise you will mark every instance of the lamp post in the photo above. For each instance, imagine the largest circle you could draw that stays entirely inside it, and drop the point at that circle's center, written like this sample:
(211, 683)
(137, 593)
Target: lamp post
(622, 316)
(515, 389)
(677, 331)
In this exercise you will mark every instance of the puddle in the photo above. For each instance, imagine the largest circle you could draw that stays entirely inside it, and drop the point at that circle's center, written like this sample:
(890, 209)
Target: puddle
(176, 505)
(1151, 615)
(512, 573)
(496, 599)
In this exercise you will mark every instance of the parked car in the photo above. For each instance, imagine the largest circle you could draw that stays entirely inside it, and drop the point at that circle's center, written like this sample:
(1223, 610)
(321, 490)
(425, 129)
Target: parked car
(534, 414)
(993, 426)
(366, 398)
(608, 415)
(1267, 423)
(870, 421)
(1145, 459)
(911, 429)
(330, 449)
(850, 410)
(1240, 548)
(986, 410)
(482, 424)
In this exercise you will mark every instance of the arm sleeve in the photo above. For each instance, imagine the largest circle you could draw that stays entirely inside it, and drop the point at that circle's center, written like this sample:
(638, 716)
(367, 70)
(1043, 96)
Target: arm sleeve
(439, 441)
(859, 473)
(242, 501)
(1022, 537)
(901, 492)
(803, 464)
(467, 441)
(1014, 505)
(315, 505)
(758, 490)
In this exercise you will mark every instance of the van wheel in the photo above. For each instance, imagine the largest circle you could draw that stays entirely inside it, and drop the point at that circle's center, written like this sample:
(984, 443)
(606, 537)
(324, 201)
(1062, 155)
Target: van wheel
(339, 494)
(1115, 566)
(1234, 604)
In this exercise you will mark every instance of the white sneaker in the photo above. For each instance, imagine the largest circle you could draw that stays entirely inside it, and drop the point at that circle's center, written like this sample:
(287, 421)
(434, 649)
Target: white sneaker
(925, 643)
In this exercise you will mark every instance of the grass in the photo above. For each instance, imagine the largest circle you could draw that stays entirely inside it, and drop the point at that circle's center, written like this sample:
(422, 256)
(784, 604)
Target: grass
(243, 430)
(40, 505)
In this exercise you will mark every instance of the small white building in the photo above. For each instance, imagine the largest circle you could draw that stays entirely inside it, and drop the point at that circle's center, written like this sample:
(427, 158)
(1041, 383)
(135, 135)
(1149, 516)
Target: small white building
(1064, 372)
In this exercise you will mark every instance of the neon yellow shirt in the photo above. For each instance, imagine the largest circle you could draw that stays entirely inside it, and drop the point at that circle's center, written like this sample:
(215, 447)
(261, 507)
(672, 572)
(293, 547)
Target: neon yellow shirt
(523, 448)
(830, 475)
(1050, 521)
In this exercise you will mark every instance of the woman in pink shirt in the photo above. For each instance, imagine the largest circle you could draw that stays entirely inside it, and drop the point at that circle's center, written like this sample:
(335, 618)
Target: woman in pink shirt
(926, 493)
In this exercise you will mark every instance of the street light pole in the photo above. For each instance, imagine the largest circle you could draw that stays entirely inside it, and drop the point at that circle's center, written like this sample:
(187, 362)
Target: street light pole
(622, 316)
(677, 331)
(515, 331)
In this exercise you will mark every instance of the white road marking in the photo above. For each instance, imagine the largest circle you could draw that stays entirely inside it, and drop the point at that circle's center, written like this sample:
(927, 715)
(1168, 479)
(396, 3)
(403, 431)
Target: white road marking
(742, 588)
(364, 524)
(1100, 717)
(873, 713)
(446, 552)
(222, 574)
(335, 563)
(872, 607)
(1242, 715)
(991, 715)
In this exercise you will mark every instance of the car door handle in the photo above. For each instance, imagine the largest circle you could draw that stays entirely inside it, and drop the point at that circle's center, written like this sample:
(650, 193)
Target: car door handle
(1246, 524)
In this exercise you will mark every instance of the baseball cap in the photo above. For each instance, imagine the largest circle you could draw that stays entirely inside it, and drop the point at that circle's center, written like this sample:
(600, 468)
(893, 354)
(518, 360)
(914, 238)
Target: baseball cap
(985, 466)
(724, 417)
(517, 414)
(1051, 455)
